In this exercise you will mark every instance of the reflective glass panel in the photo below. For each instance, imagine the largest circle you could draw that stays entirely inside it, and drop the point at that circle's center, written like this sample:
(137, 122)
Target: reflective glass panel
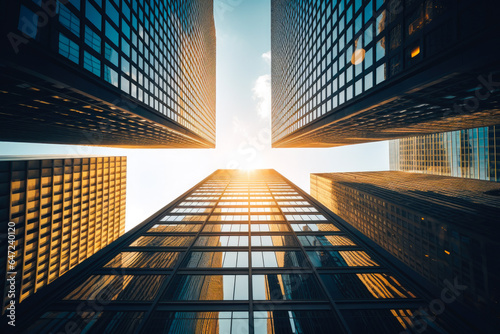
(217, 260)
(144, 260)
(163, 241)
(364, 286)
(341, 259)
(118, 287)
(207, 287)
(286, 287)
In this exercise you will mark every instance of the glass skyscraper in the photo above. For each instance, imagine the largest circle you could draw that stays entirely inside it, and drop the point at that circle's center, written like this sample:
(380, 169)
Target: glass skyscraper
(55, 213)
(445, 228)
(127, 73)
(355, 71)
(241, 252)
(471, 153)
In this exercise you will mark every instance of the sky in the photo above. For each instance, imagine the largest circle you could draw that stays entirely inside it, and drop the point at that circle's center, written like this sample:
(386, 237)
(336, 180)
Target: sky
(156, 177)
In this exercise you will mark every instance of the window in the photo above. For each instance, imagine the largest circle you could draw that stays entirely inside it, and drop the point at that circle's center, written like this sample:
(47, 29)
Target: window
(341, 259)
(364, 286)
(69, 20)
(118, 287)
(162, 241)
(93, 15)
(111, 54)
(285, 287)
(92, 39)
(217, 260)
(91, 63)
(68, 48)
(207, 287)
(28, 22)
(144, 260)
(112, 34)
(278, 259)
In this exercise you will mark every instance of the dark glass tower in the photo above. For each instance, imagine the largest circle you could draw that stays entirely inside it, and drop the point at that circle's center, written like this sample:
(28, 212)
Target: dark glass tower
(471, 153)
(445, 228)
(126, 73)
(55, 213)
(356, 71)
(241, 252)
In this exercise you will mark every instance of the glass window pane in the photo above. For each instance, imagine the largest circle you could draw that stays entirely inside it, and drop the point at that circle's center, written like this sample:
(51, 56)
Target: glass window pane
(364, 286)
(222, 241)
(278, 259)
(208, 287)
(144, 260)
(341, 259)
(91, 322)
(198, 322)
(118, 287)
(93, 15)
(325, 240)
(28, 22)
(389, 321)
(217, 260)
(295, 322)
(163, 241)
(175, 228)
(286, 287)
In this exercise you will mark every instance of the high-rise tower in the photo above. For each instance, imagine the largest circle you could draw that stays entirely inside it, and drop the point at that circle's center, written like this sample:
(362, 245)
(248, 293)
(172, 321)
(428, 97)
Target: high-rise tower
(125, 73)
(445, 228)
(55, 213)
(356, 71)
(241, 252)
(471, 153)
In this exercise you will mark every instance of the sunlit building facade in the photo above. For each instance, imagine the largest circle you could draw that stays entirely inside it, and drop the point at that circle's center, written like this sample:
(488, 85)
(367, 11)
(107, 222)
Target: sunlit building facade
(241, 252)
(444, 228)
(471, 153)
(55, 213)
(356, 71)
(125, 73)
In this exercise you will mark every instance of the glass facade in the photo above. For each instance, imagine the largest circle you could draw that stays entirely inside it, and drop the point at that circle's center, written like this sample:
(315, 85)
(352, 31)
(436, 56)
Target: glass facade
(345, 71)
(472, 153)
(62, 211)
(441, 227)
(155, 59)
(261, 257)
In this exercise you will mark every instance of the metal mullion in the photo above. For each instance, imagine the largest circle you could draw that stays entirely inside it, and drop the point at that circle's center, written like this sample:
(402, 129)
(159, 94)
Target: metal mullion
(335, 310)
(167, 281)
(251, 329)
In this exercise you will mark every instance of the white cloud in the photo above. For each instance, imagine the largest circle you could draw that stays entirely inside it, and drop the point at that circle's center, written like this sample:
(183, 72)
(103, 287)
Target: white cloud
(267, 57)
(262, 93)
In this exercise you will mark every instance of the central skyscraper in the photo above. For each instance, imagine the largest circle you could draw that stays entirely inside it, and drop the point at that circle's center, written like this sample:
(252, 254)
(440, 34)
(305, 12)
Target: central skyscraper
(126, 73)
(241, 252)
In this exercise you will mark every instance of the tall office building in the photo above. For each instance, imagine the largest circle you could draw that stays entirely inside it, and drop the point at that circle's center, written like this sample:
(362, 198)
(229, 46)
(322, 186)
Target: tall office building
(445, 228)
(55, 213)
(355, 71)
(241, 252)
(125, 73)
(471, 153)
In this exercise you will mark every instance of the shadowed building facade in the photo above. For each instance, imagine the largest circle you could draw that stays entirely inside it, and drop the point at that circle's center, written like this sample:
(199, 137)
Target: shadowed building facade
(445, 228)
(240, 252)
(60, 211)
(471, 153)
(125, 73)
(356, 71)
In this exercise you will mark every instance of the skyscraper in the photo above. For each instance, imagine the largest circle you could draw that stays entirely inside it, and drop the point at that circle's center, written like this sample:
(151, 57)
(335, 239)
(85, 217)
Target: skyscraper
(471, 153)
(444, 228)
(55, 213)
(241, 252)
(355, 71)
(126, 73)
